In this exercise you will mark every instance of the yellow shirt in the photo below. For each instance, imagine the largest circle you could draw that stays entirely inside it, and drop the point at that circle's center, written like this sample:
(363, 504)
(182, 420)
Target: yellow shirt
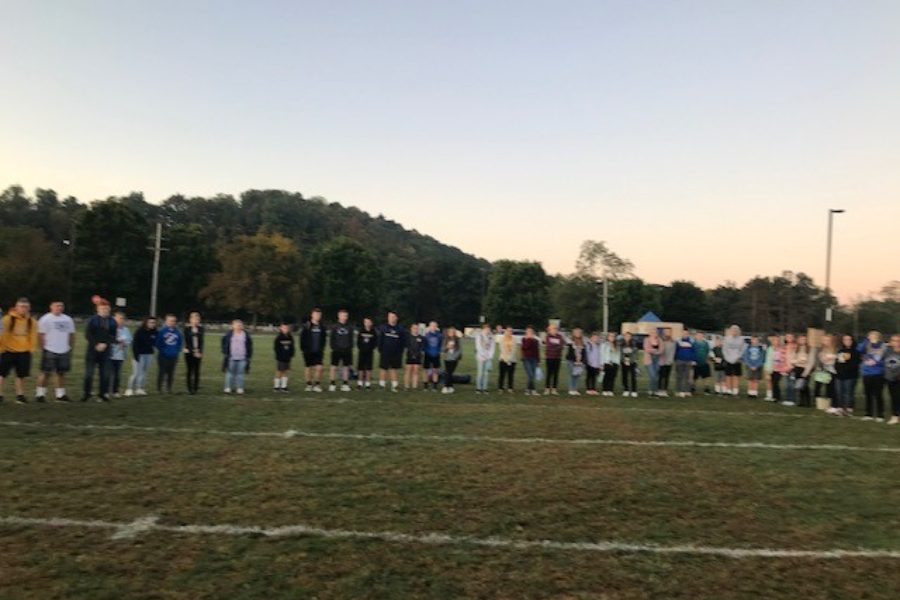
(20, 334)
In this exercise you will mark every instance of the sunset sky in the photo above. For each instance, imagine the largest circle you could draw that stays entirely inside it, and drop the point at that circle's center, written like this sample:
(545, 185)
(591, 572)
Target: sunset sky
(702, 140)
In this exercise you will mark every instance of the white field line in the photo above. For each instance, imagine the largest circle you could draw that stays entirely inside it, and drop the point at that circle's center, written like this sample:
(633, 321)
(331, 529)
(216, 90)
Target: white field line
(126, 530)
(415, 437)
(518, 405)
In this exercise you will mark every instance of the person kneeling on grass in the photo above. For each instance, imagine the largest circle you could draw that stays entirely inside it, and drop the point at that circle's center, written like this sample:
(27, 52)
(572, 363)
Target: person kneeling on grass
(284, 354)
(237, 350)
(754, 358)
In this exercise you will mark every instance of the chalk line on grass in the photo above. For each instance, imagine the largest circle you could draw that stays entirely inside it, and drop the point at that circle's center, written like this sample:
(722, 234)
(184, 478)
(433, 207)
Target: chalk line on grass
(125, 530)
(416, 437)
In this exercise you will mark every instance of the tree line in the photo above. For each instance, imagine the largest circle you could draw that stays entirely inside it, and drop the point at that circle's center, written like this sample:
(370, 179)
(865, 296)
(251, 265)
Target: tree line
(271, 254)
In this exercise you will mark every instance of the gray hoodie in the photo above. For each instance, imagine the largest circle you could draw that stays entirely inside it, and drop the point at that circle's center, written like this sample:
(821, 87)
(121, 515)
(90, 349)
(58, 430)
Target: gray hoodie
(733, 349)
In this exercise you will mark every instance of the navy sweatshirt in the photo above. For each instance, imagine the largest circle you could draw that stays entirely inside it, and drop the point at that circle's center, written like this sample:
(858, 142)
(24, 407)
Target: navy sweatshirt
(312, 338)
(366, 341)
(391, 340)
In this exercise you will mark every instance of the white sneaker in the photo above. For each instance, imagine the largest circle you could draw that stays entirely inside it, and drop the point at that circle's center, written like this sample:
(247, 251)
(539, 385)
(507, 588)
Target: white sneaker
(663, 394)
(141, 392)
(129, 393)
(867, 418)
(634, 394)
(894, 421)
(317, 388)
(788, 403)
(547, 392)
(345, 388)
(574, 393)
(240, 391)
(879, 420)
(227, 390)
(332, 388)
(309, 388)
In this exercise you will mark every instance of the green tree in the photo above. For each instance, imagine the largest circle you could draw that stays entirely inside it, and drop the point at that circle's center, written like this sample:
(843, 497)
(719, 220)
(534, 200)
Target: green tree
(576, 300)
(517, 293)
(28, 267)
(685, 302)
(185, 268)
(629, 299)
(347, 276)
(262, 274)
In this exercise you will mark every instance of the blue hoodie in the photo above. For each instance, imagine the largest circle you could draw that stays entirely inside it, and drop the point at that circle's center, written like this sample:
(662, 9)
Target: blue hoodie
(169, 342)
(684, 350)
(872, 357)
(434, 340)
(754, 357)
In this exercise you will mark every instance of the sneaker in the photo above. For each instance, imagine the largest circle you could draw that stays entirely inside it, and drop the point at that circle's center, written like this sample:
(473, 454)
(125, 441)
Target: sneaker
(879, 419)
(317, 388)
(103, 398)
(227, 390)
(894, 421)
(332, 388)
(867, 418)
(129, 393)
(63, 398)
(663, 394)
(574, 393)
(634, 394)
(345, 388)
(309, 388)
(118, 395)
(771, 400)
(21, 399)
(40, 399)
(788, 403)
(240, 391)
(547, 392)
(140, 392)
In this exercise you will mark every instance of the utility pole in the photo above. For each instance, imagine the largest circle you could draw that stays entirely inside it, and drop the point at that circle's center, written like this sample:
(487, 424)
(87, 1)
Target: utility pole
(828, 309)
(605, 302)
(154, 285)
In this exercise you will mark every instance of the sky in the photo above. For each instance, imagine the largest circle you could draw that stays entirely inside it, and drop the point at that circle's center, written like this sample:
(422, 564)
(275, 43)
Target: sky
(702, 140)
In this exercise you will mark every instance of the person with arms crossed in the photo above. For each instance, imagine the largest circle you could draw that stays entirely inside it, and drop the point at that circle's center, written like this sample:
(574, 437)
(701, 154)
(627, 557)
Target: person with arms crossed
(100, 333)
(312, 343)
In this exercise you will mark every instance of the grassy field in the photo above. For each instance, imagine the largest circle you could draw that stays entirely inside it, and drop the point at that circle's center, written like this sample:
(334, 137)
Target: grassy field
(446, 501)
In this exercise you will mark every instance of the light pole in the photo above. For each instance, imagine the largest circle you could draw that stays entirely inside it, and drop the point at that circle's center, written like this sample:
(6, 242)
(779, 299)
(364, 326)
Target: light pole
(831, 213)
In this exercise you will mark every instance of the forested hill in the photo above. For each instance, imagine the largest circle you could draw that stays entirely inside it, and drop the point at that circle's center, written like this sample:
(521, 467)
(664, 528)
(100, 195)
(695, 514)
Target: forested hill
(310, 251)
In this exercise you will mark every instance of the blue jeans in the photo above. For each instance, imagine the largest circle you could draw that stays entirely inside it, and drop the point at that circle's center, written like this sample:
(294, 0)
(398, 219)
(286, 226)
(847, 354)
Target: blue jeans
(573, 378)
(484, 373)
(653, 374)
(790, 391)
(845, 392)
(140, 368)
(234, 375)
(530, 366)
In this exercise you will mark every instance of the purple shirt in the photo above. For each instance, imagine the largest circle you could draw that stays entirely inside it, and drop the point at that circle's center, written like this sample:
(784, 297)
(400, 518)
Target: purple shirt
(238, 346)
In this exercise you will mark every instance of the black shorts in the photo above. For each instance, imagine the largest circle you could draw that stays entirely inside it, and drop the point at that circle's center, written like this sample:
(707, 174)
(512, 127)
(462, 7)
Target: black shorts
(391, 361)
(733, 369)
(282, 365)
(312, 359)
(701, 371)
(18, 361)
(53, 362)
(341, 358)
(365, 361)
(413, 360)
(754, 374)
(432, 362)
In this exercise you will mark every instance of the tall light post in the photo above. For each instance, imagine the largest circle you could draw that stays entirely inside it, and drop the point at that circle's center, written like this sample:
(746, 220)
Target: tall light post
(831, 213)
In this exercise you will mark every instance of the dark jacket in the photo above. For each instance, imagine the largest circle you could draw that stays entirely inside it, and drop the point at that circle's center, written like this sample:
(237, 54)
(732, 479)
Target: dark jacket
(575, 353)
(284, 347)
(847, 364)
(415, 345)
(144, 341)
(367, 340)
(391, 340)
(100, 330)
(226, 348)
(189, 338)
(313, 338)
(341, 338)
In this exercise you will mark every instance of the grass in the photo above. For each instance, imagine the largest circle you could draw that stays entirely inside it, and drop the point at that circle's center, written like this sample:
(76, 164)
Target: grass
(728, 497)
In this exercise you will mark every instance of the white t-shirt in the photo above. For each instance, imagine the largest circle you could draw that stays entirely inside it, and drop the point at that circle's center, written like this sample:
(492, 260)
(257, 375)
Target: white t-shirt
(56, 330)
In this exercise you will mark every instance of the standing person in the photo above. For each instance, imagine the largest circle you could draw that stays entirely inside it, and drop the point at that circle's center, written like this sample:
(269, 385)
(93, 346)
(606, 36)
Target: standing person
(237, 350)
(19, 338)
(871, 352)
(801, 367)
(508, 359)
(666, 361)
(312, 343)
(169, 343)
(193, 351)
(56, 331)
(415, 344)
(434, 342)
(628, 351)
(653, 351)
(892, 377)
(826, 373)
(452, 356)
(531, 356)
(769, 367)
(575, 359)
(685, 359)
(755, 359)
(790, 388)
(391, 344)
(553, 353)
(118, 353)
(701, 365)
(284, 354)
(718, 364)
(610, 357)
(366, 342)
(142, 347)
(485, 346)
(733, 348)
(592, 364)
(341, 340)
(847, 367)
(100, 333)
(776, 366)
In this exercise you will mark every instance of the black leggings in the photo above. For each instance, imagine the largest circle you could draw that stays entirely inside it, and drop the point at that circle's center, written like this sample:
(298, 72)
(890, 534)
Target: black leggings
(553, 372)
(507, 370)
(115, 375)
(609, 376)
(166, 372)
(873, 386)
(776, 385)
(193, 373)
(449, 370)
(591, 380)
(894, 390)
(664, 372)
(629, 378)
(826, 390)
(803, 397)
